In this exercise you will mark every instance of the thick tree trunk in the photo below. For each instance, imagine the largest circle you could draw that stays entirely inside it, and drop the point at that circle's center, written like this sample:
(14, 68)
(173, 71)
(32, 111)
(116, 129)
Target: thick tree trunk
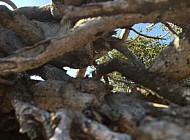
(42, 40)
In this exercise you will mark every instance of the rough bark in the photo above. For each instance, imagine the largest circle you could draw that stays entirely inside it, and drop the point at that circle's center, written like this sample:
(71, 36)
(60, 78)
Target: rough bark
(42, 40)
(165, 87)
(174, 61)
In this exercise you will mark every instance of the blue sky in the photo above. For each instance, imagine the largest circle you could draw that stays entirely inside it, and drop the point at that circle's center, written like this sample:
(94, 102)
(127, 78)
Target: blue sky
(155, 31)
(22, 3)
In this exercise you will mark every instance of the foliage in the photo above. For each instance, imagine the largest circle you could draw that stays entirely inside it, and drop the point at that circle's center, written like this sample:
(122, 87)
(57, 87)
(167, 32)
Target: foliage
(146, 49)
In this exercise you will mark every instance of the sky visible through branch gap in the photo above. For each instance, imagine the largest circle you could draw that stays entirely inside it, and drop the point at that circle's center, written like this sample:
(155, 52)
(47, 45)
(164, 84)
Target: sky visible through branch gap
(141, 26)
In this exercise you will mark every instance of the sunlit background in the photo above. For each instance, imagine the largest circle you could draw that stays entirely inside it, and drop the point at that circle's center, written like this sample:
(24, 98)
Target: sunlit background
(139, 27)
